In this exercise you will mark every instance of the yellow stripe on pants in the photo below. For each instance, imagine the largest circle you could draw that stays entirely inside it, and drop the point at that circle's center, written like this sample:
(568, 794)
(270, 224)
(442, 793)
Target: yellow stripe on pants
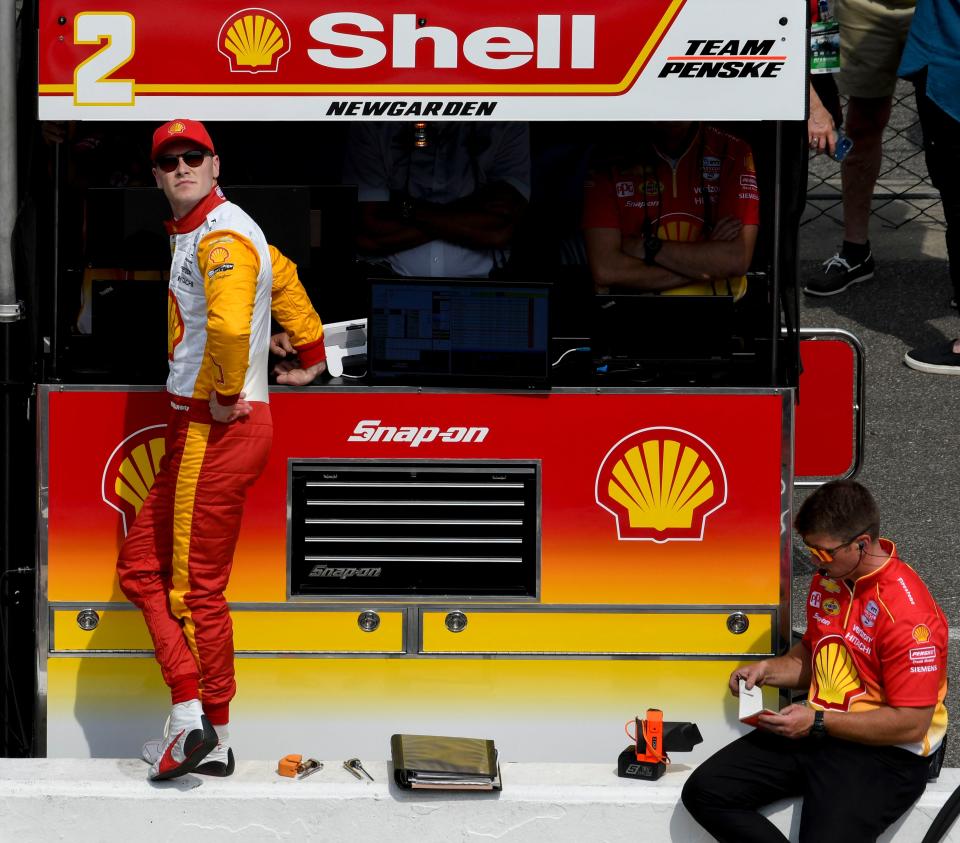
(191, 462)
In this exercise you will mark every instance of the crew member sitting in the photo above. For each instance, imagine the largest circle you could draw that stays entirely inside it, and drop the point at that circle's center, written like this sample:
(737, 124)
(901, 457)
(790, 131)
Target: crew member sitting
(874, 662)
(439, 199)
(675, 212)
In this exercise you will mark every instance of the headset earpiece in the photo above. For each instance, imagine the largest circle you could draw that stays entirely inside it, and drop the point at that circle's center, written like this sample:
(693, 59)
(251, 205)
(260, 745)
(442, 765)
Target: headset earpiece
(861, 546)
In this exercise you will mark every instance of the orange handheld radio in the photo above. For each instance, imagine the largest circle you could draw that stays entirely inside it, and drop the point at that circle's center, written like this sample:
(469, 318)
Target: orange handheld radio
(646, 758)
(649, 738)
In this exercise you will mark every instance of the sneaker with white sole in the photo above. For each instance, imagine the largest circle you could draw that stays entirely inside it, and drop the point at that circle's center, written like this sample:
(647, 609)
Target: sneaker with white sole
(939, 359)
(218, 762)
(187, 739)
(839, 274)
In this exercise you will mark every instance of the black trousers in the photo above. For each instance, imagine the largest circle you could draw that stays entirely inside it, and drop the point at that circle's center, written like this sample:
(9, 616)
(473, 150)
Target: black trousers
(851, 792)
(941, 146)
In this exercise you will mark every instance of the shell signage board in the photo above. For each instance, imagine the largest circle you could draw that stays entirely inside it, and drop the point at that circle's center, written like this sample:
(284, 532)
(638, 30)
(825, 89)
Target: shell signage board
(496, 60)
(645, 499)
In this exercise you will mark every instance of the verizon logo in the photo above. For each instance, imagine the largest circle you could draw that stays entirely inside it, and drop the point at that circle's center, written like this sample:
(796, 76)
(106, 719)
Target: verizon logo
(371, 430)
(549, 42)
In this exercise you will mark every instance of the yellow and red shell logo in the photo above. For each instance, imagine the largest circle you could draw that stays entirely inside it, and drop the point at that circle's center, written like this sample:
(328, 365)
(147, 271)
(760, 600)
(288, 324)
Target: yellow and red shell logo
(836, 678)
(921, 633)
(660, 484)
(254, 41)
(131, 470)
(176, 128)
(219, 255)
(174, 324)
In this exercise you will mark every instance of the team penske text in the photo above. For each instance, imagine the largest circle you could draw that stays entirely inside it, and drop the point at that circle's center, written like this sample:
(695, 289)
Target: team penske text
(370, 430)
(734, 59)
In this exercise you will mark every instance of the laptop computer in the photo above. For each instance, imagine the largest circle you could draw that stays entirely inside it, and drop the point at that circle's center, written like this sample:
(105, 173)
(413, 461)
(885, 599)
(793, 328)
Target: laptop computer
(458, 333)
(635, 327)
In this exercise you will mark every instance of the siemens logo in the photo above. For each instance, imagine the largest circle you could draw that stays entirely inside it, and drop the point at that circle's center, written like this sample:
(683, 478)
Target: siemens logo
(370, 430)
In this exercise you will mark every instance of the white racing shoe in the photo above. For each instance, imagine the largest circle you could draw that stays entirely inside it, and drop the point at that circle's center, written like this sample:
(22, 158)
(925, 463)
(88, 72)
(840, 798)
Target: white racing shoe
(218, 762)
(188, 738)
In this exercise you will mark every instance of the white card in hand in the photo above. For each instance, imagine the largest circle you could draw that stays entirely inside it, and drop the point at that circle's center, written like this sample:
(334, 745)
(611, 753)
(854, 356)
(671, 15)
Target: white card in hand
(751, 704)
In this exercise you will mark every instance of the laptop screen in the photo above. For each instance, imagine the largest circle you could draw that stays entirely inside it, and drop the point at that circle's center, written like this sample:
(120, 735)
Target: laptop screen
(652, 327)
(454, 331)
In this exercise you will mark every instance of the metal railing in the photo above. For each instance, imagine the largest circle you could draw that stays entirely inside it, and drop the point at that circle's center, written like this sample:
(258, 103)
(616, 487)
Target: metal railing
(903, 192)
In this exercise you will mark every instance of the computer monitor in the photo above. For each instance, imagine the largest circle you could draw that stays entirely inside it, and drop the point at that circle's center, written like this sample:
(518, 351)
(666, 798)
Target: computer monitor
(458, 332)
(648, 327)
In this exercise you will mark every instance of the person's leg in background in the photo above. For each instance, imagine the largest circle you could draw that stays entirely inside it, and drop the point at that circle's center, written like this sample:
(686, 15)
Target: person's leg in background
(867, 117)
(941, 146)
(872, 35)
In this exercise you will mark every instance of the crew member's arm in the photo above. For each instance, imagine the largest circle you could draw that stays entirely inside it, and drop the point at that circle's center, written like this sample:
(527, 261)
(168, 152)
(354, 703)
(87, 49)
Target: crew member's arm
(910, 696)
(883, 726)
(722, 256)
(303, 331)
(791, 670)
(604, 238)
(486, 219)
(821, 130)
(229, 266)
(611, 266)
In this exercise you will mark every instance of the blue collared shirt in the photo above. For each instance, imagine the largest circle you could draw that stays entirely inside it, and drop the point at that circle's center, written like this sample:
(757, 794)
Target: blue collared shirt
(934, 44)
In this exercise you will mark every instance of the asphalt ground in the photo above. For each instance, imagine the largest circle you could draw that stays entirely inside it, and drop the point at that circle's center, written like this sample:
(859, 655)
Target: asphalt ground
(912, 440)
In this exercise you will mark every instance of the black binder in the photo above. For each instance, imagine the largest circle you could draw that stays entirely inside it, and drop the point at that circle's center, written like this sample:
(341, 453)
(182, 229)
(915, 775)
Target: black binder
(440, 763)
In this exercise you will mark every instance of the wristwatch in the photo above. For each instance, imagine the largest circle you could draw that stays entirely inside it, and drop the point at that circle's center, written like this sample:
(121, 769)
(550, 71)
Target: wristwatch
(818, 729)
(407, 208)
(651, 245)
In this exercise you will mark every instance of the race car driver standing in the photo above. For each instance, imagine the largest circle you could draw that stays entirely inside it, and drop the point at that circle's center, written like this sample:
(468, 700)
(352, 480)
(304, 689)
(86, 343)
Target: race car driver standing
(874, 661)
(175, 562)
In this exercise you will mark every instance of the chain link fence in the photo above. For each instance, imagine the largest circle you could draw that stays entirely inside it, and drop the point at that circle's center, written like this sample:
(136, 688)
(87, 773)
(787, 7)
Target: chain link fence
(903, 192)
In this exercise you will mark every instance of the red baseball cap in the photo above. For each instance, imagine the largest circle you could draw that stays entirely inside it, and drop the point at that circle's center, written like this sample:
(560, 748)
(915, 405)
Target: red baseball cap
(180, 130)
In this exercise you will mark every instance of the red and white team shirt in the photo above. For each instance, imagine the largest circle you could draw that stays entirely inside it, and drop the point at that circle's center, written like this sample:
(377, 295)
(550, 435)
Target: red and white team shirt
(670, 194)
(880, 641)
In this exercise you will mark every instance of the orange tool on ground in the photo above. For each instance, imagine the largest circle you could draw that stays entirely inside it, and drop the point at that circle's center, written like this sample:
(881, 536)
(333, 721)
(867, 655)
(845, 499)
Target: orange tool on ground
(294, 767)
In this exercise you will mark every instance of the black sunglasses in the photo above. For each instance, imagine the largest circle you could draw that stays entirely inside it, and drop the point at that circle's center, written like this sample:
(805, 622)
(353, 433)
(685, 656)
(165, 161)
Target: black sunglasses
(193, 159)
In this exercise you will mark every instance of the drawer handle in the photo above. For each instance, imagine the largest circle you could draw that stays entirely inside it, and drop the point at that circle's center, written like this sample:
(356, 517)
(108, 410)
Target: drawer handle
(368, 621)
(738, 623)
(88, 619)
(456, 621)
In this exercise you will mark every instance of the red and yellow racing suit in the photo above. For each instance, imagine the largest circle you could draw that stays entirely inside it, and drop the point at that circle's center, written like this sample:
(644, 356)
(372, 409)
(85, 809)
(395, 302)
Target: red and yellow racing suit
(882, 641)
(175, 562)
(670, 196)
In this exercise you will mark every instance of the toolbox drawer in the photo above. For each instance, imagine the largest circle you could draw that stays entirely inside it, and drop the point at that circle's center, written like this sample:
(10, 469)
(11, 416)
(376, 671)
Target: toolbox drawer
(254, 631)
(588, 632)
